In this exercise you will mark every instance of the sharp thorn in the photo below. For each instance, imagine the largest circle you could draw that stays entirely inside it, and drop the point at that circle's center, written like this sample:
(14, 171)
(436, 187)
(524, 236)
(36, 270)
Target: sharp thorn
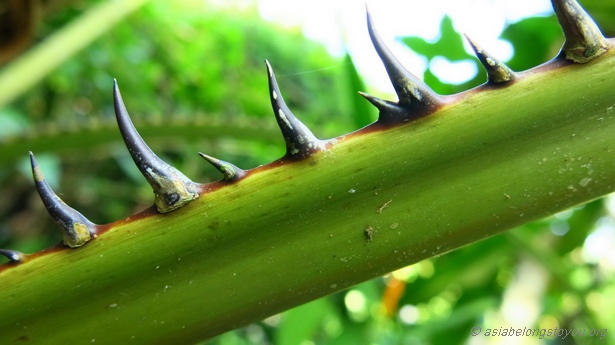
(584, 41)
(171, 188)
(497, 71)
(230, 171)
(77, 230)
(414, 95)
(12, 255)
(395, 113)
(300, 142)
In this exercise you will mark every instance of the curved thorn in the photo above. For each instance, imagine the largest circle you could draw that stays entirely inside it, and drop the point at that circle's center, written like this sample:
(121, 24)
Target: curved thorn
(172, 188)
(497, 72)
(414, 95)
(12, 255)
(300, 142)
(584, 41)
(77, 230)
(394, 112)
(229, 170)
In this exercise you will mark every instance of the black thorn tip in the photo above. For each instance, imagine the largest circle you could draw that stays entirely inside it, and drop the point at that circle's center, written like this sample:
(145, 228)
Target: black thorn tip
(584, 41)
(300, 142)
(172, 188)
(229, 170)
(77, 229)
(414, 95)
(12, 255)
(497, 71)
(395, 113)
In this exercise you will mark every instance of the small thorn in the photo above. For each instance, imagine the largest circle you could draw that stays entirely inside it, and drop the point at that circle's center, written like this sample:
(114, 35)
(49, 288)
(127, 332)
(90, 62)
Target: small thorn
(497, 71)
(172, 188)
(13, 255)
(584, 41)
(377, 102)
(78, 230)
(415, 97)
(300, 142)
(394, 112)
(230, 171)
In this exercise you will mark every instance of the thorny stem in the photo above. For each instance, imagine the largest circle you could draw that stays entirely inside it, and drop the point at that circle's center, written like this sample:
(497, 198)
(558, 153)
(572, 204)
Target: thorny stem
(417, 191)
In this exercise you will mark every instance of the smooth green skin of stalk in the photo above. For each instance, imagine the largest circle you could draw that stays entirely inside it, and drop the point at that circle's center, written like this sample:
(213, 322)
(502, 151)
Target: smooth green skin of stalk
(285, 235)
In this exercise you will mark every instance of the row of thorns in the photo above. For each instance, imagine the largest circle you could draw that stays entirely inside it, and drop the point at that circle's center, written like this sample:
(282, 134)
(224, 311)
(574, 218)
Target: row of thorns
(172, 189)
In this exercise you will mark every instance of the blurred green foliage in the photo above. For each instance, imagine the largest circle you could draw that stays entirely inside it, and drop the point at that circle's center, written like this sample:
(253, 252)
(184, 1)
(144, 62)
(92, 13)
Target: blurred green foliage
(182, 61)
(449, 46)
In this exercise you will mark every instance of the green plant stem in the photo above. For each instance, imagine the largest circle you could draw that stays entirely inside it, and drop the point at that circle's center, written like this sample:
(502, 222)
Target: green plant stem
(20, 75)
(287, 234)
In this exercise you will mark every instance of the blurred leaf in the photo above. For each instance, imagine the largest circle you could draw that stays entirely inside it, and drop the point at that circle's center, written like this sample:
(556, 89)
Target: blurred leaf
(603, 12)
(12, 122)
(302, 323)
(449, 46)
(535, 40)
(363, 111)
(580, 224)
